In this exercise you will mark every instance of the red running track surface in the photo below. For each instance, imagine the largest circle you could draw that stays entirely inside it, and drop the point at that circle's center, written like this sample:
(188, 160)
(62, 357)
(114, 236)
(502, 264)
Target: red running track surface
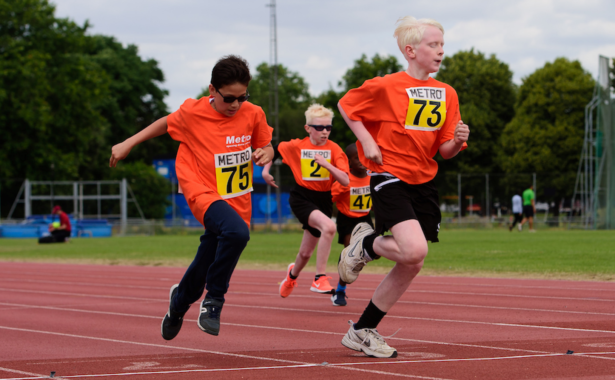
(101, 322)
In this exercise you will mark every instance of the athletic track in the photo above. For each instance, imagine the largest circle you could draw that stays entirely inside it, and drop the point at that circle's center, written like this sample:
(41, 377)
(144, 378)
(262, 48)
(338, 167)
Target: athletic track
(103, 322)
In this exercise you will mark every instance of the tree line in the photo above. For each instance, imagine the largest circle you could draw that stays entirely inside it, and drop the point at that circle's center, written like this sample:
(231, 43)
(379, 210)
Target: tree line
(66, 96)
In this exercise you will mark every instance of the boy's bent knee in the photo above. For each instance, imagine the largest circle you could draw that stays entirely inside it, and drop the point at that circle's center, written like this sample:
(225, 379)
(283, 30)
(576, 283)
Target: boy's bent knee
(240, 234)
(329, 229)
(413, 254)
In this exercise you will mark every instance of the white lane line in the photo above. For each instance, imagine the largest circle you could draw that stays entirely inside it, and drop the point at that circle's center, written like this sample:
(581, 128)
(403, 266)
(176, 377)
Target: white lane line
(442, 304)
(243, 356)
(345, 313)
(285, 329)
(411, 291)
(21, 372)
(560, 283)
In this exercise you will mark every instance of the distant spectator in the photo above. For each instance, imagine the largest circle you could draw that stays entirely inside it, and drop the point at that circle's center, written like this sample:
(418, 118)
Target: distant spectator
(60, 231)
(517, 211)
(529, 207)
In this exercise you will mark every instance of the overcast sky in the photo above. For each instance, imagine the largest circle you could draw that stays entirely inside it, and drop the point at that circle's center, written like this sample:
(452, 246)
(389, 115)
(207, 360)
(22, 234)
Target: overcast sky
(321, 39)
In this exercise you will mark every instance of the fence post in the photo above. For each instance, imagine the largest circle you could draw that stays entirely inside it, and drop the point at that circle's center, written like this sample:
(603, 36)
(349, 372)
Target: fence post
(123, 205)
(27, 199)
(488, 213)
(459, 195)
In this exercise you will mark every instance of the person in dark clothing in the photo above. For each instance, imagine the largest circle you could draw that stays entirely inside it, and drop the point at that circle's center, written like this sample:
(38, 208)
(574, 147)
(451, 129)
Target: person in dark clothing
(60, 231)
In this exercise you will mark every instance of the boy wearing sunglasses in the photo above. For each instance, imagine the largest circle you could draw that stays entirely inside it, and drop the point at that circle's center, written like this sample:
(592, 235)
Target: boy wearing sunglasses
(353, 205)
(214, 170)
(316, 162)
(401, 121)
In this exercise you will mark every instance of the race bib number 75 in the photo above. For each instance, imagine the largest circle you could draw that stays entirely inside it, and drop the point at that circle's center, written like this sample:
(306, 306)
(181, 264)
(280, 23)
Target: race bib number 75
(310, 170)
(234, 173)
(426, 108)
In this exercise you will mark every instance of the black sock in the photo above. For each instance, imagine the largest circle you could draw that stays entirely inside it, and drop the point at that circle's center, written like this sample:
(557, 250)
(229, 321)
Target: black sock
(368, 246)
(370, 318)
(318, 276)
(290, 274)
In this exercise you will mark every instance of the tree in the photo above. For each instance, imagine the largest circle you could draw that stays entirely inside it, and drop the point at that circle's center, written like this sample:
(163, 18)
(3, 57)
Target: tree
(362, 70)
(486, 103)
(546, 134)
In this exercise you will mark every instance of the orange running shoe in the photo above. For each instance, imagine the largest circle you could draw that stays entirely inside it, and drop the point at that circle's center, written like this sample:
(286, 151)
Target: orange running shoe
(322, 285)
(286, 286)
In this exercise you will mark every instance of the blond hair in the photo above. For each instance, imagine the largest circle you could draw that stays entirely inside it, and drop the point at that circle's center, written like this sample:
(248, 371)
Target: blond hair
(409, 31)
(315, 111)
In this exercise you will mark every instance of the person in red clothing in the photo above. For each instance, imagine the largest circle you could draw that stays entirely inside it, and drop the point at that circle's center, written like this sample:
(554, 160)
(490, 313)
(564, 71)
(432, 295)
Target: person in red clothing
(214, 170)
(402, 121)
(59, 233)
(316, 162)
(353, 203)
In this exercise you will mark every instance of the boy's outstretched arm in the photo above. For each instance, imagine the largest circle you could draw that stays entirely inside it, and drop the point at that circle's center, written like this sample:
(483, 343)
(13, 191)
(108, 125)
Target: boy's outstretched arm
(450, 148)
(268, 177)
(339, 175)
(370, 148)
(121, 150)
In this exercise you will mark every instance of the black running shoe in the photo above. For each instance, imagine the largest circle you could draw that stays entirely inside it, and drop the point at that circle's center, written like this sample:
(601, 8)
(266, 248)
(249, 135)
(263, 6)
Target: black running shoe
(339, 298)
(209, 318)
(172, 321)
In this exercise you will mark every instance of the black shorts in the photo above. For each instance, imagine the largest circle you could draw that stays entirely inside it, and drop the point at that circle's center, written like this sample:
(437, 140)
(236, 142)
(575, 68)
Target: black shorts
(303, 201)
(395, 201)
(346, 224)
(528, 211)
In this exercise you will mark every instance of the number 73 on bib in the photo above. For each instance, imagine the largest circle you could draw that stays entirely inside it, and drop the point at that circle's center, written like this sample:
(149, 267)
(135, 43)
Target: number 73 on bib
(426, 108)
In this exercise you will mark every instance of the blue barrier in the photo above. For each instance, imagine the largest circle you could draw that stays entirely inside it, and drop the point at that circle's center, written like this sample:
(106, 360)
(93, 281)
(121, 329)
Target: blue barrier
(37, 226)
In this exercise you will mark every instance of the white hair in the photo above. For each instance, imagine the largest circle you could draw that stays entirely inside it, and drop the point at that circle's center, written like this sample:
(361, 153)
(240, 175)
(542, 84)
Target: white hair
(409, 31)
(315, 111)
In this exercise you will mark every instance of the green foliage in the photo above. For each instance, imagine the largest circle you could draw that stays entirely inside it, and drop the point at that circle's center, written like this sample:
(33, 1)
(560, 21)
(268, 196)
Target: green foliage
(486, 103)
(546, 134)
(362, 70)
(150, 188)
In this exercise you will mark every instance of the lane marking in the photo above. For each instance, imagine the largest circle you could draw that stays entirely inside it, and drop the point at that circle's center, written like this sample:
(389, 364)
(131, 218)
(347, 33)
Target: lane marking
(203, 351)
(21, 372)
(289, 329)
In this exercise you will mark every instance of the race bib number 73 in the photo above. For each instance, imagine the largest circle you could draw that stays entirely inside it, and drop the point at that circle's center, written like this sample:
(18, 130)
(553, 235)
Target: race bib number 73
(310, 170)
(360, 199)
(426, 108)
(234, 173)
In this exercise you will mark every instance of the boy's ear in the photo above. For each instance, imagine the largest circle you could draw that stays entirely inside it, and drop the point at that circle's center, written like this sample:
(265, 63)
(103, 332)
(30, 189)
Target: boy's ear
(410, 51)
(307, 129)
(211, 88)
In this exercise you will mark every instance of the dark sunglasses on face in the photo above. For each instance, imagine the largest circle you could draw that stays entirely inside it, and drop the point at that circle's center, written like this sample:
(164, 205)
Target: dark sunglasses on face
(231, 99)
(320, 128)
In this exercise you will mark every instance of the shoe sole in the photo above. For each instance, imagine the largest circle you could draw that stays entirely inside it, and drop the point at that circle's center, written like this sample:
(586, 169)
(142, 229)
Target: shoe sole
(168, 311)
(210, 332)
(356, 238)
(283, 281)
(317, 290)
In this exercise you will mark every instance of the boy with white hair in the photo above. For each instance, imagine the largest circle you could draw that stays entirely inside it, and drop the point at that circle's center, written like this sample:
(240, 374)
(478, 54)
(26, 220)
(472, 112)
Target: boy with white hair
(316, 162)
(401, 121)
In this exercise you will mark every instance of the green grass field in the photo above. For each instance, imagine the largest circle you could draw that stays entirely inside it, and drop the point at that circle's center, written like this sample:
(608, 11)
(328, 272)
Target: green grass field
(547, 254)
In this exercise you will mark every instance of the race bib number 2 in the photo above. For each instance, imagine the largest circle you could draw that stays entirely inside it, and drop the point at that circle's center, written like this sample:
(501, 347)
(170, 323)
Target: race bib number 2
(426, 108)
(234, 173)
(310, 170)
(360, 199)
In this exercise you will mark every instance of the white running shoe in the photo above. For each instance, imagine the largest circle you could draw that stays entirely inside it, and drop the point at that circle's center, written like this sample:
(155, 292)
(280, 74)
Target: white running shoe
(519, 227)
(353, 259)
(368, 341)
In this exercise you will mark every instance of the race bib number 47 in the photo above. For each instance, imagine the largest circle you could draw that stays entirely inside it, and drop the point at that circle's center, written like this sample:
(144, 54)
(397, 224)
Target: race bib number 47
(310, 170)
(360, 199)
(234, 173)
(426, 108)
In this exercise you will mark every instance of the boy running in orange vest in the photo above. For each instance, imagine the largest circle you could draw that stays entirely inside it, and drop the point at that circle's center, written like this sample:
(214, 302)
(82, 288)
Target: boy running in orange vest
(402, 121)
(214, 170)
(316, 162)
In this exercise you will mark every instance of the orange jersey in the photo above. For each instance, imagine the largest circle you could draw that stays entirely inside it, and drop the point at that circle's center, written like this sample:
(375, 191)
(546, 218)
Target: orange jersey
(354, 200)
(409, 119)
(299, 155)
(214, 160)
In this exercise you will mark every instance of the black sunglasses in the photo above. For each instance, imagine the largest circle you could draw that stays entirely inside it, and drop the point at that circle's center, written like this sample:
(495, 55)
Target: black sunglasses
(231, 99)
(320, 128)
